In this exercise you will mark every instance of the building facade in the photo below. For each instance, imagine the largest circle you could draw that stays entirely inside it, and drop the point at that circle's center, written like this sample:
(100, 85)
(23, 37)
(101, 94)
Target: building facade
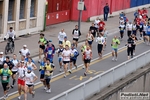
(25, 16)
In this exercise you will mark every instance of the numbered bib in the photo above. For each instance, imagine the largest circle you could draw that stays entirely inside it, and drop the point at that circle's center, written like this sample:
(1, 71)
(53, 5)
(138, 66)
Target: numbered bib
(27, 79)
(129, 45)
(4, 78)
(49, 52)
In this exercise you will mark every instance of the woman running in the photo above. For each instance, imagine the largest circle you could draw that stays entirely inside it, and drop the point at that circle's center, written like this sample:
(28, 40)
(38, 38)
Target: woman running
(134, 45)
(31, 64)
(30, 78)
(90, 39)
(129, 45)
(87, 59)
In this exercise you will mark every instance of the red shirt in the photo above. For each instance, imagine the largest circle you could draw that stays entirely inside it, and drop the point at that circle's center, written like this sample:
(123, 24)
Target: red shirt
(140, 12)
(144, 17)
(144, 12)
(138, 20)
(101, 25)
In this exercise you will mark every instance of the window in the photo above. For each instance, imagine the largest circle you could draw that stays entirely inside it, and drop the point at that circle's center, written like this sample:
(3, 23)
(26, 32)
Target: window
(22, 9)
(32, 8)
(11, 10)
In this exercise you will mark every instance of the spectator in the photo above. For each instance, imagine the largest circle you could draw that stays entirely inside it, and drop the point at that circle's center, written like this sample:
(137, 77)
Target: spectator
(106, 11)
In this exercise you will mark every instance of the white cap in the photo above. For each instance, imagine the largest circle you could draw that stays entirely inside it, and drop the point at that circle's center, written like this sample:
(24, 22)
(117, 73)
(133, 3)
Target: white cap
(25, 46)
(1, 53)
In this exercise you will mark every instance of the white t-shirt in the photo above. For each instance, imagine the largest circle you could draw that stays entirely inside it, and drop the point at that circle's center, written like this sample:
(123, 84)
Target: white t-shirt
(15, 62)
(100, 40)
(66, 55)
(73, 51)
(24, 52)
(61, 36)
(10, 34)
(29, 77)
(21, 72)
(144, 28)
(129, 27)
(134, 27)
(96, 23)
(87, 54)
(121, 21)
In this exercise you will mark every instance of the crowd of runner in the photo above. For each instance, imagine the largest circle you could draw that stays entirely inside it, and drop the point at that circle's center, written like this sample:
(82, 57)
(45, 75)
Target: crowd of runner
(23, 69)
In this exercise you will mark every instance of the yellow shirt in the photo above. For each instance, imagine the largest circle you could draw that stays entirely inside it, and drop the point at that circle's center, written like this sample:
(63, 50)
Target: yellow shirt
(9, 71)
(67, 43)
(48, 69)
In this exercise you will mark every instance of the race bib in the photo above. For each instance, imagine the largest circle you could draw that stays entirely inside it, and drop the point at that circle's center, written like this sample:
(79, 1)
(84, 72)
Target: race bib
(27, 79)
(61, 36)
(49, 52)
(92, 31)
(121, 28)
(47, 72)
(100, 42)
(4, 78)
(129, 45)
(101, 25)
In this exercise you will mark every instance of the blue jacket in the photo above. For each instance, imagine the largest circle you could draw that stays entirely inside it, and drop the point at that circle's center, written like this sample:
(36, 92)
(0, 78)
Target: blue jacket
(148, 30)
(106, 9)
(76, 53)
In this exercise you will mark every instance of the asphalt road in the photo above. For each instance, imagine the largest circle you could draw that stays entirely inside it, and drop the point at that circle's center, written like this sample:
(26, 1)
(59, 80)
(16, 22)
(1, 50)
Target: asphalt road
(60, 84)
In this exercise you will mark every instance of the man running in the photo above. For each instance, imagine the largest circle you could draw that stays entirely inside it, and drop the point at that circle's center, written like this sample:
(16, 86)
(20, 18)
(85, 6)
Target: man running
(60, 58)
(5, 77)
(129, 45)
(114, 44)
(61, 36)
(90, 39)
(14, 69)
(66, 42)
(21, 75)
(122, 28)
(129, 28)
(42, 42)
(93, 30)
(48, 70)
(8, 62)
(30, 78)
(24, 50)
(76, 35)
(100, 40)
(74, 55)
(42, 65)
(87, 59)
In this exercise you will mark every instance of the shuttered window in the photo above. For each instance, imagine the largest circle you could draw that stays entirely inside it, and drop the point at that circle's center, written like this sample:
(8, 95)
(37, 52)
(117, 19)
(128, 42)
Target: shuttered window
(11, 10)
(32, 8)
(22, 9)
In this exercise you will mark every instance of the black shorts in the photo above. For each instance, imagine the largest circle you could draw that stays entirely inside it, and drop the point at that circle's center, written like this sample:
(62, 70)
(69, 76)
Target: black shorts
(75, 39)
(42, 76)
(65, 62)
(133, 47)
(73, 60)
(5, 86)
(99, 48)
(100, 31)
(42, 47)
(137, 27)
(29, 85)
(129, 33)
(47, 80)
(87, 61)
(144, 33)
(141, 30)
(14, 72)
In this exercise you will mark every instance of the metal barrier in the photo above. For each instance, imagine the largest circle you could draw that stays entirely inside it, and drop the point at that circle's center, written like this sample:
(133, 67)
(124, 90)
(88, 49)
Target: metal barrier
(99, 82)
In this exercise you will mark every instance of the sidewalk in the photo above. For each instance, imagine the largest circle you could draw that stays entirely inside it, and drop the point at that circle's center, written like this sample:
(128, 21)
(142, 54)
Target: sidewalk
(52, 31)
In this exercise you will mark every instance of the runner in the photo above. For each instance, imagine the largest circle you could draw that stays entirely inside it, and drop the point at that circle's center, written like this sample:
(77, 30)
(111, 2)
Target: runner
(27, 57)
(66, 59)
(61, 36)
(87, 59)
(134, 45)
(42, 42)
(74, 55)
(30, 78)
(14, 69)
(96, 22)
(121, 20)
(90, 39)
(134, 28)
(5, 77)
(93, 30)
(60, 58)
(48, 69)
(83, 48)
(31, 64)
(105, 34)
(144, 32)
(141, 30)
(148, 33)
(42, 65)
(129, 45)
(100, 40)
(114, 44)
(8, 62)
(122, 28)
(21, 75)
(101, 25)
(49, 52)
(76, 35)
(129, 28)
(66, 42)
(24, 50)
(2, 59)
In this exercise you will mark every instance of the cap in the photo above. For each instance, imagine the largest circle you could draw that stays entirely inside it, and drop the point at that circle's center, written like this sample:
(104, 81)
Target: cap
(1, 53)
(25, 46)
(72, 45)
(22, 61)
(50, 41)
(65, 37)
(29, 68)
(28, 53)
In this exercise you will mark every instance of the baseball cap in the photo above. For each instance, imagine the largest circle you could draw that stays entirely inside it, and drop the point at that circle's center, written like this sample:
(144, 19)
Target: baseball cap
(22, 61)
(65, 37)
(25, 46)
(28, 53)
(50, 41)
(1, 53)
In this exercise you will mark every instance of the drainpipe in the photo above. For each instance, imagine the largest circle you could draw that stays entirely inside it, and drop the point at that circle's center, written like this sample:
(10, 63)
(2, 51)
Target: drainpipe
(45, 13)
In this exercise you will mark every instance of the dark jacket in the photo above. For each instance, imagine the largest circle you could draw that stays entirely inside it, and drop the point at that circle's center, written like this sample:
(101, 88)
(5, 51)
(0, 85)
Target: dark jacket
(106, 9)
